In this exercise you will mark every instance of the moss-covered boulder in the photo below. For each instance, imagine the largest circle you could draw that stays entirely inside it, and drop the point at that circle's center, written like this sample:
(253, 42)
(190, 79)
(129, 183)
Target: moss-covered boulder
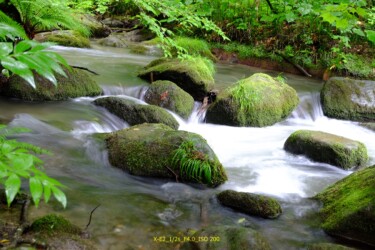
(194, 75)
(56, 232)
(256, 101)
(328, 148)
(327, 246)
(349, 99)
(349, 207)
(77, 83)
(156, 150)
(134, 113)
(67, 38)
(226, 237)
(97, 29)
(168, 95)
(252, 204)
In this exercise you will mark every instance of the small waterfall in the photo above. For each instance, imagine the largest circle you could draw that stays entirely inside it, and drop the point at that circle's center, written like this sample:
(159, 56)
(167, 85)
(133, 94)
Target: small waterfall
(309, 108)
(198, 114)
(135, 91)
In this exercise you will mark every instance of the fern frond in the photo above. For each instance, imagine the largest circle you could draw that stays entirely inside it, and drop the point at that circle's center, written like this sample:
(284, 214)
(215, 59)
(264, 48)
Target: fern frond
(9, 28)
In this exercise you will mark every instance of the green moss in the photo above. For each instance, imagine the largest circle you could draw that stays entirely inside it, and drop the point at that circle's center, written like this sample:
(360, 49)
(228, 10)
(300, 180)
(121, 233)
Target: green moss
(256, 101)
(252, 204)
(194, 75)
(77, 83)
(135, 114)
(147, 150)
(340, 96)
(70, 39)
(138, 49)
(168, 95)
(53, 225)
(349, 207)
(328, 148)
(195, 47)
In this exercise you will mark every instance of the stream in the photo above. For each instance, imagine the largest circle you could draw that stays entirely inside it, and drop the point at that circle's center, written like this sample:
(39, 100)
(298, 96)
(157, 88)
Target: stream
(133, 210)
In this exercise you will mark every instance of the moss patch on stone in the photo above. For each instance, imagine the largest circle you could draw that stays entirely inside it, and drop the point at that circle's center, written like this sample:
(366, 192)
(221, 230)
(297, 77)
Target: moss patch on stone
(52, 225)
(348, 99)
(324, 147)
(69, 39)
(77, 83)
(195, 47)
(252, 204)
(194, 75)
(227, 237)
(168, 95)
(257, 101)
(148, 149)
(135, 114)
(349, 207)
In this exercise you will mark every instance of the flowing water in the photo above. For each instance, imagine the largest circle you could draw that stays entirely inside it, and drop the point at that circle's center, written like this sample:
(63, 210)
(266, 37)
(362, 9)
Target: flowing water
(132, 209)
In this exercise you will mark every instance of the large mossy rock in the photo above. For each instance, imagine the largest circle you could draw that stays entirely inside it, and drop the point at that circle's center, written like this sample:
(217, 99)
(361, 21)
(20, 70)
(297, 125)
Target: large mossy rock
(256, 101)
(67, 38)
(56, 232)
(349, 207)
(167, 94)
(226, 238)
(349, 99)
(328, 148)
(252, 204)
(156, 150)
(194, 75)
(134, 113)
(77, 83)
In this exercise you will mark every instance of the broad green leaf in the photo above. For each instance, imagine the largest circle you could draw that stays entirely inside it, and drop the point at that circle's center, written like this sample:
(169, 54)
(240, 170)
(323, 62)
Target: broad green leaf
(20, 161)
(23, 46)
(5, 49)
(342, 24)
(59, 195)
(359, 32)
(12, 186)
(36, 189)
(47, 192)
(290, 17)
(370, 35)
(19, 68)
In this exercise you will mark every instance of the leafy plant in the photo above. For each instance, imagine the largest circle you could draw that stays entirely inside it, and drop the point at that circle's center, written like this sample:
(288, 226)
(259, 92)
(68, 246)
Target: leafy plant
(24, 57)
(192, 163)
(39, 15)
(17, 162)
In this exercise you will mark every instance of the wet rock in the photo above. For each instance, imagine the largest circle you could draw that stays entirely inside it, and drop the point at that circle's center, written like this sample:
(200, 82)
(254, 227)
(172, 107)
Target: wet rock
(168, 95)
(226, 237)
(77, 83)
(349, 99)
(256, 101)
(134, 113)
(327, 246)
(252, 204)
(349, 207)
(113, 23)
(156, 150)
(125, 39)
(369, 125)
(193, 75)
(67, 38)
(328, 148)
(98, 29)
(56, 232)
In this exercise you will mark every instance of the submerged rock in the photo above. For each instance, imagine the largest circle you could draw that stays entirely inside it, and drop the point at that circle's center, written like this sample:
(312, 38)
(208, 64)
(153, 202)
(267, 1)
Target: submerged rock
(156, 150)
(252, 204)
(77, 83)
(226, 237)
(349, 207)
(328, 148)
(256, 101)
(168, 95)
(349, 99)
(134, 113)
(193, 75)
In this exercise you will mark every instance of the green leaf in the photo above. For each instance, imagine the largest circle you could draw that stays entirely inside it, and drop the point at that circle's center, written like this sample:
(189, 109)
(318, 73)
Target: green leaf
(12, 186)
(59, 195)
(19, 68)
(370, 35)
(359, 32)
(290, 17)
(47, 192)
(23, 46)
(342, 24)
(5, 49)
(36, 189)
